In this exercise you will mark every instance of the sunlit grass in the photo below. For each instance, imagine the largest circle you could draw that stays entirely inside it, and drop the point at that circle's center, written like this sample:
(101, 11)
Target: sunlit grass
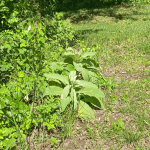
(121, 35)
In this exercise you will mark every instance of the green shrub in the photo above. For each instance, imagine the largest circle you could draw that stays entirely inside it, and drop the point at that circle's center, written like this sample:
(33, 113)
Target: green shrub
(23, 50)
(23, 61)
(60, 34)
(23, 108)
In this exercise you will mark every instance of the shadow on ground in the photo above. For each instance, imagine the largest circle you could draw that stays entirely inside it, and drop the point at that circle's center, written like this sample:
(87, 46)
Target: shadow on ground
(89, 14)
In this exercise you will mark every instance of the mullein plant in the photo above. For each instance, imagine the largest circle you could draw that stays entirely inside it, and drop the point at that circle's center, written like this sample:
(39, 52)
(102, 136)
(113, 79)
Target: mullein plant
(74, 80)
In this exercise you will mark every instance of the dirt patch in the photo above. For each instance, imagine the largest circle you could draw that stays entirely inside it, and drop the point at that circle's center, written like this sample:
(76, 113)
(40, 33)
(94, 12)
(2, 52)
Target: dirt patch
(100, 116)
(120, 73)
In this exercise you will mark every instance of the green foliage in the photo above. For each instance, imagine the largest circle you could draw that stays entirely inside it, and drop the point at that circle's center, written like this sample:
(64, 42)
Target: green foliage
(54, 142)
(12, 11)
(23, 61)
(78, 4)
(76, 76)
(28, 47)
(117, 126)
(23, 49)
(8, 13)
(60, 34)
(21, 108)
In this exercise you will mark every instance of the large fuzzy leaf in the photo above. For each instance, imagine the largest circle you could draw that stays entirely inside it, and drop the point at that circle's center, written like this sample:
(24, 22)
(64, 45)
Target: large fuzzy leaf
(62, 78)
(69, 49)
(64, 103)
(85, 111)
(57, 65)
(85, 74)
(66, 73)
(88, 54)
(69, 60)
(85, 84)
(97, 102)
(91, 62)
(74, 97)
(92, 76)
(53, 90)
(70, 67)
(69, 54)
(65, 92)
(72, 76)
(78, 67)
(83, 71)
(90, 91)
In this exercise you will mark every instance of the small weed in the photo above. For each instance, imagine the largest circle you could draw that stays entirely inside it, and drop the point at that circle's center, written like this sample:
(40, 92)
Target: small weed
(91, 131)
(54, 142)
(125, 97)
(119, 125)
(131, 135)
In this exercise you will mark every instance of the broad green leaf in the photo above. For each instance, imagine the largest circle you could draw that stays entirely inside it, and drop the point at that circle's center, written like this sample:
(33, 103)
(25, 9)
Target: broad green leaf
(89, 75)
(70, 67)
(73, 97)
(66, 73)
(62, 78)
(90, 91)
(68, 60)
(97, 102)
(88, 54)
(91, 62)
(84, 71)
(72, 76)
(69, 49)
(78, 67)
(64, 103)
(56, 65)
(93, 77)
(53, 90)
(85, 84)
(85, 74)
(69, 54)
(65, 92)
(85, 111)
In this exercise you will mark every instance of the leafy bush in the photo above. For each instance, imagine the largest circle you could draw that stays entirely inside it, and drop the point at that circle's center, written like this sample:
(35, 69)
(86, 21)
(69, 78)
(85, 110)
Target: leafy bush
(23, 50)
(22, 108)
(12, 11)
(32, 43)
(23, 61)
(60, 34)
(8, 14)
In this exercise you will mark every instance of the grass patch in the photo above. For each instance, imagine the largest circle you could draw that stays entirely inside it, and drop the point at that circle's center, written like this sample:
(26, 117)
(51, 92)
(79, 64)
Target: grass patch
(120, 35)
